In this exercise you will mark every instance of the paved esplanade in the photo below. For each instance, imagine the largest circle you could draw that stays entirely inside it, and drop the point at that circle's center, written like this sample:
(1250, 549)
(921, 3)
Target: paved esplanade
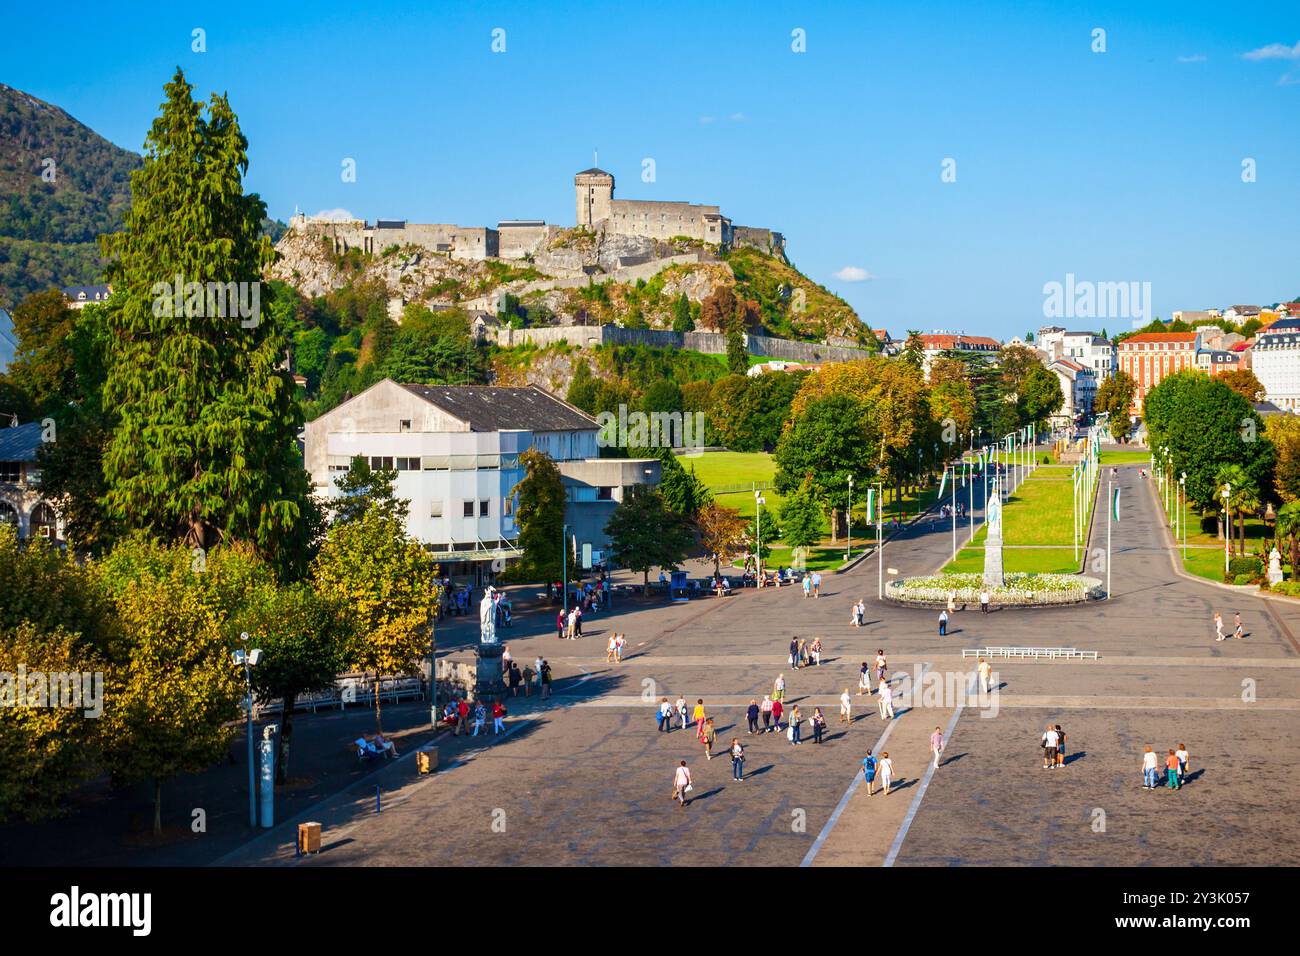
(587, 778)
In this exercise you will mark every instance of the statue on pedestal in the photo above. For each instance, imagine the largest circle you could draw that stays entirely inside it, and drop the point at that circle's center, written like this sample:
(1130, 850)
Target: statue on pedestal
(1274, 567)
(993, 541)
(488, 669)
(487, 617)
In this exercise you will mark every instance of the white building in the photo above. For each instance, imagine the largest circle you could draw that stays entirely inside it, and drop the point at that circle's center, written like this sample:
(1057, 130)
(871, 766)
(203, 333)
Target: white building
(1078, 386)
(456, 452)
(21, 503)
(1275, 359)
(1083, 348)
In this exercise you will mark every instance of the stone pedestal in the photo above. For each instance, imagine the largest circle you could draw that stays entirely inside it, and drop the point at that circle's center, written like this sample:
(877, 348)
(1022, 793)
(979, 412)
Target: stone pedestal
(487, 682)
(993, 562)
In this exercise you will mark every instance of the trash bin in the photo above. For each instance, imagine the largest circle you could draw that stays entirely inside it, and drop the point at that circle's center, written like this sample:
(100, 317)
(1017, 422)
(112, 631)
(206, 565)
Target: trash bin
(309, 838)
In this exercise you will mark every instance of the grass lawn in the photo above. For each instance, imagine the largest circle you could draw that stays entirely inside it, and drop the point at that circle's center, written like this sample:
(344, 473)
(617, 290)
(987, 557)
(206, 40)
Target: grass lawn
(1124, 457)
(1041, 560)
(1038, 513)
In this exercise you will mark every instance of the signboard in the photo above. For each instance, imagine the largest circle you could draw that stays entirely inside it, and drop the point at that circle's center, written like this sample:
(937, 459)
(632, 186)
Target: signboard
(586, 555)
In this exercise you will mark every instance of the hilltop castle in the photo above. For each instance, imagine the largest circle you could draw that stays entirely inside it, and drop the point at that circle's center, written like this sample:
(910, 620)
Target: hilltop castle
(597, 210)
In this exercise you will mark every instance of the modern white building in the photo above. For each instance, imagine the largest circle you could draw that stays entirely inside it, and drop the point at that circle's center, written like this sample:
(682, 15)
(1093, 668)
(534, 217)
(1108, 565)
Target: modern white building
(1078, 386)
(1275, 359)
(456, 452)
(1083, 348)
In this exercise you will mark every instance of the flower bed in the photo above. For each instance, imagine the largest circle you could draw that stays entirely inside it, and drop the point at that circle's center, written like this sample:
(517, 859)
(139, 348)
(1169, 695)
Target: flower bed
(1019, 590)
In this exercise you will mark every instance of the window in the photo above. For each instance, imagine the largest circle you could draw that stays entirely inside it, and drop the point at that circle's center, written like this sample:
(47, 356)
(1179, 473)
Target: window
(508, 506)
(469, 507)
(381, 461)
(404, 425)
(408, 464)
(435, 509)
(605, 493)
(11, 471)
(483, 508)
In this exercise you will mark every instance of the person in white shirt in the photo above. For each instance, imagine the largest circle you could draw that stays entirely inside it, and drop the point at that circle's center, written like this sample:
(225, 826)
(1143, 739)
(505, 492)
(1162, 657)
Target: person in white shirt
(681, 784)
(1183, 759)
(573, 623)
(984, 601)
(680, 704)
(985, 672)
(886, 701)
(885, 769)
(1050, 741)
(1148, 769)
(665, 716)
(846, 707)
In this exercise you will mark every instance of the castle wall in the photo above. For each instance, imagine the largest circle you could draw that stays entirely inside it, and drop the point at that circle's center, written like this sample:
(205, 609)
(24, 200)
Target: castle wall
(711, 343)
(515, 242)
(462, 242)
(664, 220)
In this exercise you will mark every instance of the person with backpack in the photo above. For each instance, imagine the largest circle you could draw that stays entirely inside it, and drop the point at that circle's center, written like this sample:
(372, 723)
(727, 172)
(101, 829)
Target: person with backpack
(681, 784)
(665, 716)
(546, 679)
(869, 772)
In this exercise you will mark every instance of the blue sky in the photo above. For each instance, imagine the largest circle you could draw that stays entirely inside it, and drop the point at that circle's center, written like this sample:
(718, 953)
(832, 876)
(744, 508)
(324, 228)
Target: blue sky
(1123, 165)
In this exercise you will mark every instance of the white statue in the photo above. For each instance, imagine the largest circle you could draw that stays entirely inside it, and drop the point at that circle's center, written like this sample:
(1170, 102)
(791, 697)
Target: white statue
(487, 617)
(995, 511)
(1274, 567)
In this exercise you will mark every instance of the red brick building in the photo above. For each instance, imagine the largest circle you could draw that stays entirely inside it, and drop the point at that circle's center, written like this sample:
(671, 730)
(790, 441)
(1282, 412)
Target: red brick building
(1150, 356)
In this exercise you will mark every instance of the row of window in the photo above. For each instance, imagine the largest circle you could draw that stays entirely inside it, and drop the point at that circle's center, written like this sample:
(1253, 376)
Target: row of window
(472, 507)
(341, 463)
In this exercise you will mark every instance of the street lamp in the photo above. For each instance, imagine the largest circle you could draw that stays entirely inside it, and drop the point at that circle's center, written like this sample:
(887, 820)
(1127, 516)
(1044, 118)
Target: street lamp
(249, 660)
(848, 521)
(1227, 530)
(1182, 511)
(759, 501)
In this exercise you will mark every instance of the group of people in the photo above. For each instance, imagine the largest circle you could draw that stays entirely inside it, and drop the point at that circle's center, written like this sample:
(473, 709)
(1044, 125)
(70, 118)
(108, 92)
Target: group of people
(1176, 763)
(1238, 631)
(812, 584)
(858, 613)
(466, 718)
(614, 649)
(803, 653)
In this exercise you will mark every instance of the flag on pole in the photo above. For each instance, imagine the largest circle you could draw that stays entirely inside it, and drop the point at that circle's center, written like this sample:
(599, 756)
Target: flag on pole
(943, 482)
(871, 505)
(1114, 504)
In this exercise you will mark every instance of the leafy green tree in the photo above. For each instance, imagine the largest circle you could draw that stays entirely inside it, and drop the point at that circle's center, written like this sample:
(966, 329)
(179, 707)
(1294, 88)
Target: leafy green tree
(830, 441)
(1115, 398)
(389, 587)
(737, 354)
(44, 366)
(363, 489)
(1288, 529)
(1242, 499)
(51, 591)
(204, 443)
(582, 391)
(304, 638)
(1284, 433)
(759, 535)
(645, 533)
(1040, 395)
(682, 321)
(722, 533)
(682, 490)
(801, 518)
(540, 516)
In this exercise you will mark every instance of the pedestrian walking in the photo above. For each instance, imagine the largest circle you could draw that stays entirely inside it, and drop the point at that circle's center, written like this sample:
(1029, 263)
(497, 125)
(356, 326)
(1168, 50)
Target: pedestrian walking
(778, 688)
(796, 723)
(530, 675)
(886, 771)
(818, 724)
(807, 585)
(943, 623)
(793, 657)
(1183, 759)
(882, 666)
(777, 709)
(697, 717)
(1171, 770)
(737, 760)
(1218, 626)
(1237, 630)
(816, 651)
(681, 709)
(984, 601)
(936, 745)
(886, 701)
(1049, 740)
(609, 650)
(803, 653)
(665, 716)
(952, 603)
(869, 772)
(751, 716)
(462, 717)
(765, 711)
(559, 625)
(710, 737)
(480, 715)
(498, 717)
(681, 784)
(864, 679)
(817, 584)
(620, 642)
(985, 672)
(846, 707)
(1148, 768)
(546, 679)
(1060, 746)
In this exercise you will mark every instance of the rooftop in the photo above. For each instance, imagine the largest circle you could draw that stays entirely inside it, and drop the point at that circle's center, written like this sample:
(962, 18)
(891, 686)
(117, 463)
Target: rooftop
(490, 408)
(21, 443)
(1188, 337)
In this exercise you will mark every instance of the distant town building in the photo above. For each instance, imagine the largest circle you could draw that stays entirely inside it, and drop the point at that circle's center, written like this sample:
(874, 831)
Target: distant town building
(456, 452)
(1087, 349)
(1275, 359)
(1192, 316)
(934, 344)
(1149, 356)
(80, 296)
(1237, 314)
(777, 365)
(21, 503)
(1078, 388)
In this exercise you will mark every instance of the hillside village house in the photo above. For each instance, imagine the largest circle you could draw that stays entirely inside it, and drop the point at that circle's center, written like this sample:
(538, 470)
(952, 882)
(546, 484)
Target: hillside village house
(80, 296)
(456, 451)
(935, 343)
(21, 504)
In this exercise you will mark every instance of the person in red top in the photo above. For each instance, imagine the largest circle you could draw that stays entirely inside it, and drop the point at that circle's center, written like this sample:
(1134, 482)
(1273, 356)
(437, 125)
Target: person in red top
(1171, 770)
(777, 710)
(559, 625)
(498, 717)
(462, 714)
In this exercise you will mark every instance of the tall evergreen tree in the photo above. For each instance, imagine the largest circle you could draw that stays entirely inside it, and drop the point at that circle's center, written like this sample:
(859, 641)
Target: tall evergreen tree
(203, 448)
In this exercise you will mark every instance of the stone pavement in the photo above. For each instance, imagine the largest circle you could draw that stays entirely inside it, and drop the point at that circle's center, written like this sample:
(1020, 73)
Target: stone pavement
(585, 778)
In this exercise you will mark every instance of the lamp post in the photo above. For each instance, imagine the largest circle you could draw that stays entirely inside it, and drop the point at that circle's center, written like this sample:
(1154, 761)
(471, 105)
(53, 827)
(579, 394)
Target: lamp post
(848, 521)
(248, 660)
(759, 501)
(1227, 530)
(1182, 511)
(880, 541)
(564, 569)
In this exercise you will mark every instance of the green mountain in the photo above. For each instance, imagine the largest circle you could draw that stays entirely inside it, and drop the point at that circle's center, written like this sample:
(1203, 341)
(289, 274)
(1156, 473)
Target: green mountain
(61, 185)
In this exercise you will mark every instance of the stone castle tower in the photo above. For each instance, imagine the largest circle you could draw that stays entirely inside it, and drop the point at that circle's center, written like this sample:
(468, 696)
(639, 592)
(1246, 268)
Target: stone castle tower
(595, 193)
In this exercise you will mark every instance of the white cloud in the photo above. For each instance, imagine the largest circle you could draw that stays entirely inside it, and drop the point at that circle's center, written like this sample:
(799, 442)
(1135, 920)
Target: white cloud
(1194, 58)
(853, 274)
(706, 119)
(1274, 51)
(737, 117)
(1289, 79)
(334, 214)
